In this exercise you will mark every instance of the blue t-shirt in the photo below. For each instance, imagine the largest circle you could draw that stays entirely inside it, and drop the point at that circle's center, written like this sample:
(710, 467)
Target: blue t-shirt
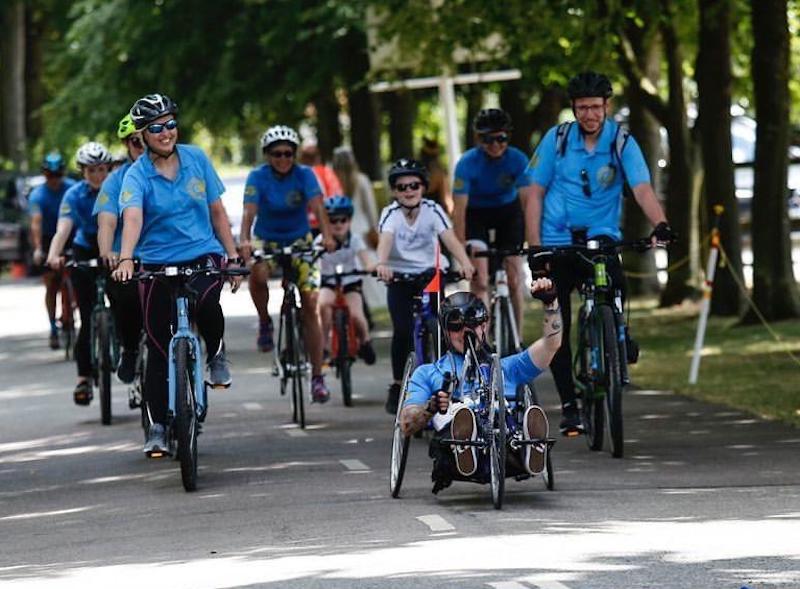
(46, 202)
(566, 206)
(77, 205)
(428, 379)
(281, 202)
(108, 200)
(176, 217)
(490, 182)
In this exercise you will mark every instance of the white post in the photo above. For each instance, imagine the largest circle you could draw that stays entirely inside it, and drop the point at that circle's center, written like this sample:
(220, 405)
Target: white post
(447, 98)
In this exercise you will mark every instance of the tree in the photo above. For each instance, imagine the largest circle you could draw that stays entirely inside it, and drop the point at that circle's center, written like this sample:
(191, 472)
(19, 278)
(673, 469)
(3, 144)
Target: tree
(14, 140)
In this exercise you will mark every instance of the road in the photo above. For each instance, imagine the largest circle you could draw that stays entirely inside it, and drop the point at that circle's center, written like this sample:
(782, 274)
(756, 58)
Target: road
(706, 497)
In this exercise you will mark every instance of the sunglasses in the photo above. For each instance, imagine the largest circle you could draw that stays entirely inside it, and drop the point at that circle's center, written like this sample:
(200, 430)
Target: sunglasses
(278, 154)
(338, 220)
(156, 128)
(487, 139)
(587, 189)
(135, 142)
(456, 320)
(410, 186)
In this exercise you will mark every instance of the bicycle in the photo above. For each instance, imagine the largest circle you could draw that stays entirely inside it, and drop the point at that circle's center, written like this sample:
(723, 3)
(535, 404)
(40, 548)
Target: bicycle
(136, 388)
(188, 399)
(290, 360)
(67, 320)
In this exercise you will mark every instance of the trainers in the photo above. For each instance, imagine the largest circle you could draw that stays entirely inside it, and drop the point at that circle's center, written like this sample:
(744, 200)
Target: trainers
(155, 446)
(463, 428)
(55, 342)
(392, 398)
(535, 427)
(82, 395)
(126, 371)
(571, 424)
(218, 374)
(319, 392)
(367, 353)
(265, 342)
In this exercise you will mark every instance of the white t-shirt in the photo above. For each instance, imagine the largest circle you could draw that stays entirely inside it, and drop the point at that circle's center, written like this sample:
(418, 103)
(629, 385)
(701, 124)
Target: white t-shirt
(344, 256)
(414, 246)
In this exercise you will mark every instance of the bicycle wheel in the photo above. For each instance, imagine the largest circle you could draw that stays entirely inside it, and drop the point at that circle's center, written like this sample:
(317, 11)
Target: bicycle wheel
(300, 362)
(400, 442)
(103, 358)
(509, 345)
(497, 434)
(341, 325)
(186, 415)
(592, 410)
(613, 378)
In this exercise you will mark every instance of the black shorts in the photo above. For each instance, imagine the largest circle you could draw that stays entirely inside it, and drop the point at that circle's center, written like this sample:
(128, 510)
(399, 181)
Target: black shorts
(506, 220)
(352, 287)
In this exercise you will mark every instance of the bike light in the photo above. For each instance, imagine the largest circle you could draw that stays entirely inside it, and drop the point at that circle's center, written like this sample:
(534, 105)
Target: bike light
(593, 245)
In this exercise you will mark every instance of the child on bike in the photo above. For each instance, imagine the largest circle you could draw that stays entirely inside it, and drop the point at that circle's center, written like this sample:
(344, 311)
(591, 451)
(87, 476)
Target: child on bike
(351, 254)
(410, 229)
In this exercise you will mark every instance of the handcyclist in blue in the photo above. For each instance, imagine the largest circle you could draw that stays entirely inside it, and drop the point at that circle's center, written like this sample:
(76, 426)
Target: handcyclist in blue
(125, 296)
(43, 206)
(276, 196)
(452, 413)
(173, 215)
(75, 212)
(579, 170)
(491, 181)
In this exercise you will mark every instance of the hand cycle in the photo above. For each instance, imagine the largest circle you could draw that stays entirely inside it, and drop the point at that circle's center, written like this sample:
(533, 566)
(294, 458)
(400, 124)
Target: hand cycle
(188, 401)
(103, 347)
(343, 337)
(600, 363)
(290, 355)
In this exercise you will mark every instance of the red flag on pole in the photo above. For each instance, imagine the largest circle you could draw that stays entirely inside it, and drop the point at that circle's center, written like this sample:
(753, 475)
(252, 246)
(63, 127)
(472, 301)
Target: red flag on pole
(434, 285)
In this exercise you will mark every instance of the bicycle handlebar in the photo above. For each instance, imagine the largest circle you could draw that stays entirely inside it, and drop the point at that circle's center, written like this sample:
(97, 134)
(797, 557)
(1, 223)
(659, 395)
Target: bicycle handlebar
(411, 277)
(93, 264)
(289, 250)
(592, 246)
(348, 273)
(187, 271)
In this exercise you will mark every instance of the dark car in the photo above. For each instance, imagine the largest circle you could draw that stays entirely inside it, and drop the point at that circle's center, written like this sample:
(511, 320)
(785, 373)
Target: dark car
(14, 241)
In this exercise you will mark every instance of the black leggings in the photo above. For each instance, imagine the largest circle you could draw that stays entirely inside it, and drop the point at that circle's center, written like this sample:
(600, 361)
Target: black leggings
(127, 309)
(158, 309)
(84, 285)
(400, 300)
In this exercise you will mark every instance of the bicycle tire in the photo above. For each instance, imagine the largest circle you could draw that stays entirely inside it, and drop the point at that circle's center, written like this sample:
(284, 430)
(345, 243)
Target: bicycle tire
(103, 358)
(591, 404)
(186, 415)
(400, 442)
(300, 363)
(343, 364)
(497, 436)
(509, 345)
(613, 379)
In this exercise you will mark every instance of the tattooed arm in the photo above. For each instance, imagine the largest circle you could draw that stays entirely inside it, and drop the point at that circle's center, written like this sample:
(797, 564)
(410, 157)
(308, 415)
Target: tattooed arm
(543, 349)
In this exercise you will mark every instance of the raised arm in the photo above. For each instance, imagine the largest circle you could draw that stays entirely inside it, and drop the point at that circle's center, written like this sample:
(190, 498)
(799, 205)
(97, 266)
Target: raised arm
(543, 349)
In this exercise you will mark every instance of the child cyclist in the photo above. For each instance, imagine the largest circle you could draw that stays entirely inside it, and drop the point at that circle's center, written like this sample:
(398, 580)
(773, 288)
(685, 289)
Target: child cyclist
(409, 231)
(351, 254)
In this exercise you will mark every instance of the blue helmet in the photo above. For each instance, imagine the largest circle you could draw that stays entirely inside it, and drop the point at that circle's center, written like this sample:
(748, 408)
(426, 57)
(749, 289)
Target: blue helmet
(53, 162)
(339, 205)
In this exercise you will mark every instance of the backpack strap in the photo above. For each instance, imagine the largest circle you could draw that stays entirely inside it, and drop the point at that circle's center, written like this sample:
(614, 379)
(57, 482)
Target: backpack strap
(562, 132)
(618, 145)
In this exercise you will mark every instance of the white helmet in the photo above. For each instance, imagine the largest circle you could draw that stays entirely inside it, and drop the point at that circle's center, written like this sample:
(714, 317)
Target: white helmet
(279, 133)
(93, 153)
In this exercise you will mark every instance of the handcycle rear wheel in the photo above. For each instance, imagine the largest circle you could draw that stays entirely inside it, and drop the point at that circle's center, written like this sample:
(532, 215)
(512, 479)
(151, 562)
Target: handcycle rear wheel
(497, 434)
(104, 368)
(613, 378)
(186, 415)
(341, 325)
(400, 442)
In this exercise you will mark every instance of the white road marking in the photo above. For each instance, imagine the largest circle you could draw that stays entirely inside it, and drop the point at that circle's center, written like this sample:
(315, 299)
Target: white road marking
(253, 406)
(436, 523)
(507, 585)
(296, 433)
(550, 585)
(353, 464)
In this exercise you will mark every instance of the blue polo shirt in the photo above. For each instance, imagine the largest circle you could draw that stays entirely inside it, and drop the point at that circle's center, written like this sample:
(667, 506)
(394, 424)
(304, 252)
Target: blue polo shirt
(281, 201)
(45, 202)
(176, 217)
(77, 205)
(488, 182)
(108, 200)
(566, 206)
(428, 379)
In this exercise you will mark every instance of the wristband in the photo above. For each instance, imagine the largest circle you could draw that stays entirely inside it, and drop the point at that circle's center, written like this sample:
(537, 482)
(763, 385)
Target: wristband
(131, 260)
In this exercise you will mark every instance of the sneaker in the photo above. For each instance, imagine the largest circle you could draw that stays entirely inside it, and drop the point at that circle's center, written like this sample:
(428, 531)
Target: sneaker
(571, 424)
(126, 371)
(631, 347)
(55, 342)
(265, 341)
(218, 374)
(155, 446)
(367, 353)
(319, 392)
(392, 398)
(463, 428)
(82, 395)
(535, 427)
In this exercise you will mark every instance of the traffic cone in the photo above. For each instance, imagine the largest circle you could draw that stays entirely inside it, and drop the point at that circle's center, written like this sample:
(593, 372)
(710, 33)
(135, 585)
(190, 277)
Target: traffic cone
(18, 270)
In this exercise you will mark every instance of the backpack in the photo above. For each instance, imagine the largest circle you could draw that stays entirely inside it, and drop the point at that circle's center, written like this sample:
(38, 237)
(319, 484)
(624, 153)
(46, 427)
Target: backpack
(617, 146)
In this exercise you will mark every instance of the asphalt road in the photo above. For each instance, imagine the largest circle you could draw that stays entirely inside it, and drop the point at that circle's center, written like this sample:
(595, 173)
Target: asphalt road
(705, 498)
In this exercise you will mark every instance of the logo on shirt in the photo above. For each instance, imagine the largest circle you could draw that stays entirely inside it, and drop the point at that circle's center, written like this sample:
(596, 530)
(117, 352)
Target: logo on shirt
(458, 184)
(102, 199)
(506, 180)
(294, 198)
(65, 209)
(606, 175)
(250, 191)
(196, 188)
(125, 196)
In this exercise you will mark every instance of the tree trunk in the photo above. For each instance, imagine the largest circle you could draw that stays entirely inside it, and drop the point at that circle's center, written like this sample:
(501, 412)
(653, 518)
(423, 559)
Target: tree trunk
(362, 106)
(514, 99)
(774, 287)
(714, 88)
(36, 30)
(13, 83)
(402, 113)
(474, 95)
(552, 101)
(329, 134)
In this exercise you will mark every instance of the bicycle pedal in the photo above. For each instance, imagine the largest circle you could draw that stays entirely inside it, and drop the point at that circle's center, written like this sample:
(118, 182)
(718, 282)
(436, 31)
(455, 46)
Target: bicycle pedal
(218, 386)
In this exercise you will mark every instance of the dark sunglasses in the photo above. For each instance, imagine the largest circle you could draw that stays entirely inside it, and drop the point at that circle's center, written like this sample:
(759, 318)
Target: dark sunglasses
(410, 186)
(488, 139)
(278, 154)
(587, 189)
(455, 320)
(337, 220)
(135, 142)
(156, 128)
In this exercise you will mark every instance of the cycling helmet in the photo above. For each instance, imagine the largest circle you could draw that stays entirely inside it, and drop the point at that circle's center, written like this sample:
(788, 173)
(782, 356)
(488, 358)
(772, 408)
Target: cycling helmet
(490, 120)
(589, 85)
(126, 127)
(339, 205)
(93, 153)
(53, 162)
(148, 108)
(279, 133)
(407, 167)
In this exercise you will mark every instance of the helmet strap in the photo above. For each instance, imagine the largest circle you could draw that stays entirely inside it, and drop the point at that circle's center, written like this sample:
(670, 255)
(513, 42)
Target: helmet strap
(409, 209)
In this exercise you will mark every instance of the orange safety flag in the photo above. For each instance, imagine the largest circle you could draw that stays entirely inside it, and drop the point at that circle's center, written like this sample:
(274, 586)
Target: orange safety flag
(435, 284)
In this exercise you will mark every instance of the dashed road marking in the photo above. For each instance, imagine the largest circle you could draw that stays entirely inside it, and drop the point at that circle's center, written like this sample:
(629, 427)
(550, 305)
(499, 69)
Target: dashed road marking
(296, 433)
(436, 523)
(253, 406)
(507, 585)
(550, 585)
(352, 464)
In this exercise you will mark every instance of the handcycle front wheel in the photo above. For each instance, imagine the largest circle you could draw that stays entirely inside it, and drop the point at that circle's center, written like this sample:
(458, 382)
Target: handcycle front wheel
(400, 441)
(498, 432)
(186, 415)
(103, 357)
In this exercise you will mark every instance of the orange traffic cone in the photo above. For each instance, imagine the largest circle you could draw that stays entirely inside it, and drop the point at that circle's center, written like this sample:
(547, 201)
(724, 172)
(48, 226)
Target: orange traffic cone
(18, 270)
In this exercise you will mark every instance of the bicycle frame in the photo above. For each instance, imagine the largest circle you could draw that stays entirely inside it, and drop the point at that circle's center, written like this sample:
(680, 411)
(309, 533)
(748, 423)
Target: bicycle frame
(184, 331)
(102, 305)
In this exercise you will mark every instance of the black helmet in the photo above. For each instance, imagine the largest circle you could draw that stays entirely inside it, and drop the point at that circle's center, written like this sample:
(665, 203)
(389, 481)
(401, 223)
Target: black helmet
(460, 309)
(407, 167)
(148, 108)
(589, 85)
(489, 120)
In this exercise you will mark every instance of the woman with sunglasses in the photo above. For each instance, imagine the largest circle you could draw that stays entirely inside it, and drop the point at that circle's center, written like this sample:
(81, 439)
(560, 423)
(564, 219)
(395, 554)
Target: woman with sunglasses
(491, 181)
(410, 229)
(452, 413)
(276, 197)
(173, 215)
